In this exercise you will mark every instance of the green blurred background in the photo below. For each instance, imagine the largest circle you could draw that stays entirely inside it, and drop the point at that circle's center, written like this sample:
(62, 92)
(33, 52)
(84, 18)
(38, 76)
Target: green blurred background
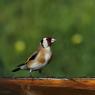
(23, 23)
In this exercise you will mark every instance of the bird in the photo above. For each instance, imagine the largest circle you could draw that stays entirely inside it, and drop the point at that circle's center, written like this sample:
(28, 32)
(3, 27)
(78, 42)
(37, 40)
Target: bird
(40, 58)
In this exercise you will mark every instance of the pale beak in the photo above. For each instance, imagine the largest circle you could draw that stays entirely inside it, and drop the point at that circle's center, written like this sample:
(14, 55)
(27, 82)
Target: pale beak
(53, 40)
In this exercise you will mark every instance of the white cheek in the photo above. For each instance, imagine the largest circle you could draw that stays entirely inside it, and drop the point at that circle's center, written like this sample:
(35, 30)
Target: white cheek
(45, 44)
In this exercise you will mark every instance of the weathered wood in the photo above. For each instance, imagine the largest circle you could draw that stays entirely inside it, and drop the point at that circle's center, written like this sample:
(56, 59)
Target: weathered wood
(47, 86)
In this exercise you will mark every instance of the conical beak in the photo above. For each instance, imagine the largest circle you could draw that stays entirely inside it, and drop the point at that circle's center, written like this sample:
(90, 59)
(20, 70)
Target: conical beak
(53, 40)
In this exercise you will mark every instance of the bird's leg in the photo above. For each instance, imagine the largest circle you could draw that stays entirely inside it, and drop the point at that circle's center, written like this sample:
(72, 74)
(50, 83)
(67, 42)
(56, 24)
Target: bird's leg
(40, 71)
(30, 75)
(30, 70)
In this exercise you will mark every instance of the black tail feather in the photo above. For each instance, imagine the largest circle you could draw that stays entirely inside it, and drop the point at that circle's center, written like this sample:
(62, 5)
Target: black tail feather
(17, 69)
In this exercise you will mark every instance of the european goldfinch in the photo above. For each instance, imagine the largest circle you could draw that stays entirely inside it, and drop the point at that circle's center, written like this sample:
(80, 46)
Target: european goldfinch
(40, 58)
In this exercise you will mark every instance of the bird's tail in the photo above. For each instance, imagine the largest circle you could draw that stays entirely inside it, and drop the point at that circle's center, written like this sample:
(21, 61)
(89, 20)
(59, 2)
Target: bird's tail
(17, 69)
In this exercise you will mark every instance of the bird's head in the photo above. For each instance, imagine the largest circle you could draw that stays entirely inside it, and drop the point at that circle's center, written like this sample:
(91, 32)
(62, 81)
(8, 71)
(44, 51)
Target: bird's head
(47, 42)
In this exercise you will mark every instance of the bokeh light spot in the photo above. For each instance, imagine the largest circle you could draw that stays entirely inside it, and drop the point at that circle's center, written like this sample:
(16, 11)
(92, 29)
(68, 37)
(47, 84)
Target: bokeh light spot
(77, 39)
(20, 46)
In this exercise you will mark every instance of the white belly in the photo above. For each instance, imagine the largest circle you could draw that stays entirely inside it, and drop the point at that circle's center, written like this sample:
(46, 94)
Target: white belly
(47, 57)
(36, 65)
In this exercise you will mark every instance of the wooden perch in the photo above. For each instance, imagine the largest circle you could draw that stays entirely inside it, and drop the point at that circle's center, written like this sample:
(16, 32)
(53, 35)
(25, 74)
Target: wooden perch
(47, 86)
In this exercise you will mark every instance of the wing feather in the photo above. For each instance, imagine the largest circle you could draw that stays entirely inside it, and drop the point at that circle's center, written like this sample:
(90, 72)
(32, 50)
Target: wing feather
(32, 57)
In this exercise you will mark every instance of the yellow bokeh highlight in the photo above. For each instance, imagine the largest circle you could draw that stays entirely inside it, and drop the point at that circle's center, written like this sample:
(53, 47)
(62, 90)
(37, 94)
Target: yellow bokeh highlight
(20, 46)
(77, 39)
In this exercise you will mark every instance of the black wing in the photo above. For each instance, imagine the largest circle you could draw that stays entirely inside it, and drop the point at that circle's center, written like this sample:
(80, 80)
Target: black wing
(32, 57)
(21, 65)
